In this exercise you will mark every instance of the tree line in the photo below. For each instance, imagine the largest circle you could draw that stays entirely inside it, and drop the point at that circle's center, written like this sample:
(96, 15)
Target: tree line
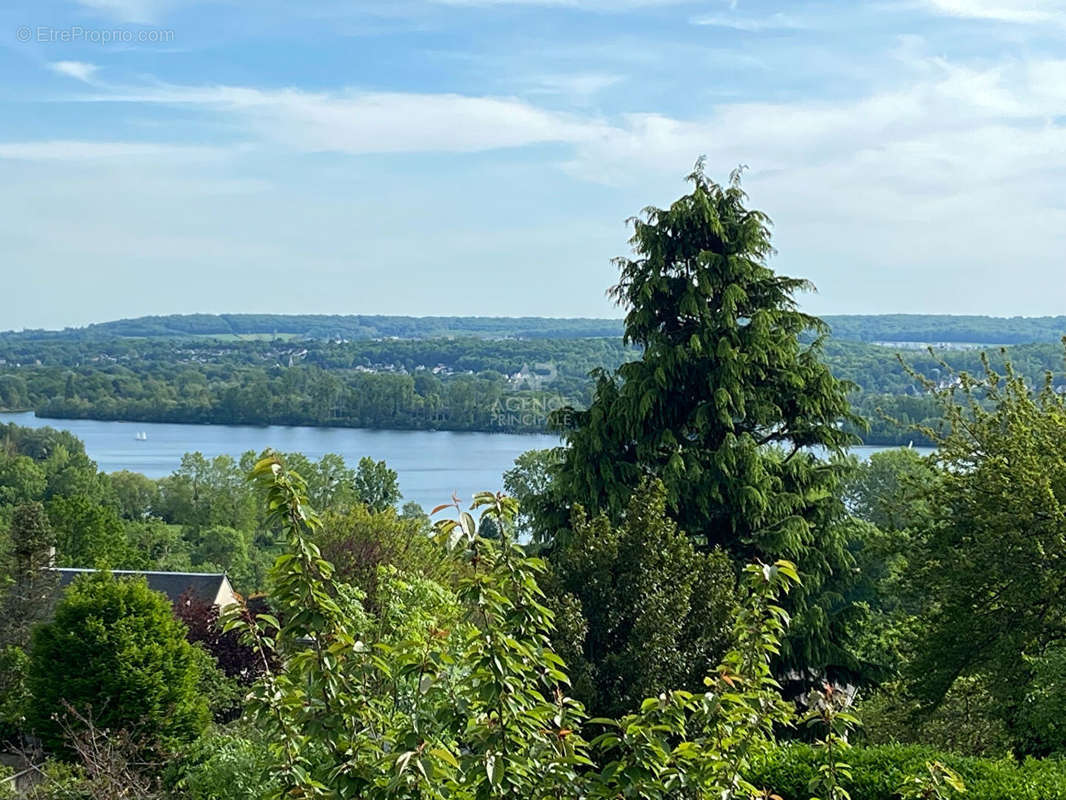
(454, 384)
(928, 328)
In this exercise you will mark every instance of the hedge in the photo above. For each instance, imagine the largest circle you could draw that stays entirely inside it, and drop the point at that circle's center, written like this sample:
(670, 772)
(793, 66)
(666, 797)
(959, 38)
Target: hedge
(879, 771)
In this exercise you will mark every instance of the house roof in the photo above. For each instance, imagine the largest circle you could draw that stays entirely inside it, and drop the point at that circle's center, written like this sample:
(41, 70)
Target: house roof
(204, 585)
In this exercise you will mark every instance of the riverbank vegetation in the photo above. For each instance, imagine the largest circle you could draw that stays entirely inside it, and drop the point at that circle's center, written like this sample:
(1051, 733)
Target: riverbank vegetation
(450, 384)
(700, 594)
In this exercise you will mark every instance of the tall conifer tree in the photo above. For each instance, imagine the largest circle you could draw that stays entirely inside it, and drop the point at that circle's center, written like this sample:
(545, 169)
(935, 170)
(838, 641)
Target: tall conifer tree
(728, 406)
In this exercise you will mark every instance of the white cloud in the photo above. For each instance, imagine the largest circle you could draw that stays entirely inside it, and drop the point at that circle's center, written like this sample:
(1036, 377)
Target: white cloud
(79, 70)
(941, 100)
(921, 118)
(951, 181)
(380, 122)
(579, 87)
(773, 22)
(1019, 11)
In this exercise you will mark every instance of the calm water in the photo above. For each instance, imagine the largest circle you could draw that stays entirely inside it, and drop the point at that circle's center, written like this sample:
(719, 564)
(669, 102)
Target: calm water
(431, 464)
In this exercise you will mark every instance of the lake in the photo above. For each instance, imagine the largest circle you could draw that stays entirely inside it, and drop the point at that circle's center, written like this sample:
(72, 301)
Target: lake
(431, 464)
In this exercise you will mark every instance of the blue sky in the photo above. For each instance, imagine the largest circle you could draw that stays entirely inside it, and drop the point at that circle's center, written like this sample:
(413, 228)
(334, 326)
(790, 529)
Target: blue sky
(481, 156)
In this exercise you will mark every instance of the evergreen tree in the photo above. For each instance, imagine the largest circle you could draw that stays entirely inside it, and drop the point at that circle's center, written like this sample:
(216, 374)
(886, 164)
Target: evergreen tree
(639, 610)
(28, 600)
(727, 406)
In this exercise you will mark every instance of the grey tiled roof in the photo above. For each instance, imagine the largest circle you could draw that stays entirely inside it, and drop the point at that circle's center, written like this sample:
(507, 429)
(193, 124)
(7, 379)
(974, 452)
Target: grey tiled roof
(204, 585)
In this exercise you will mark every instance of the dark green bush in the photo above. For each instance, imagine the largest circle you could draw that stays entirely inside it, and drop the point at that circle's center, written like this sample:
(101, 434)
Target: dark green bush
(879, 771)
(115, 655)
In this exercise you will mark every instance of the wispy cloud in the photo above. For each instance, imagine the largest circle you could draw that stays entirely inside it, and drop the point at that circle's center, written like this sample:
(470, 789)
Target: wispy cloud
(772, 22)
(378, 122)
(940, 101)
(579, 87)
(1018, 11)
(883, 167)
(79, 70)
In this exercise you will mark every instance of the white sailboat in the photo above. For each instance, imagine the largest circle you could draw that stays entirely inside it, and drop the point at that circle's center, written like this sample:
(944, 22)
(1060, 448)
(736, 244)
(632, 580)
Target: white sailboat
(142, 436)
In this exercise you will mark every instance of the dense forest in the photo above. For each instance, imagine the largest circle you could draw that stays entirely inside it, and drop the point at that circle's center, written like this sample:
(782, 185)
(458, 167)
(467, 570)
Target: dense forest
(916, 328)
(459, 383)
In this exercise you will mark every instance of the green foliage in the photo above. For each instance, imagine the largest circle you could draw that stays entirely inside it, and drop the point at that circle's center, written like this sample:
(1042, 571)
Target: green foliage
(137, 496)
(454, 383)
(704, 745)
(479, 709)
(376, 486)
(203, 493)
(367, 720)
(968, 721)
(989, 564)
(14, 696)
(888, 498)
(87, 534)
(890, 490)
(725, 406)
(223, 549)
(25, 601)
(224, 764)
(829, 717)
(22, 480)
(888, 772)
(359, 543)
(1040, 722)
(62, 781)
(940, 783)
(29, 597)
(531, 482)
(654, 613)
(115, 653)
(154, 545)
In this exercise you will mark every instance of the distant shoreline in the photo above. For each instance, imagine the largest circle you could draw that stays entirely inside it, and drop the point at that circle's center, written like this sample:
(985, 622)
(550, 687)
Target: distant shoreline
(912, 438)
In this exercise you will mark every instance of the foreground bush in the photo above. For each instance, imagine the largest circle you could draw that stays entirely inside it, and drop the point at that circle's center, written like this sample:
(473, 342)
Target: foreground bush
(474, 705)
(231, 763)
(877, 773)
(115, 656)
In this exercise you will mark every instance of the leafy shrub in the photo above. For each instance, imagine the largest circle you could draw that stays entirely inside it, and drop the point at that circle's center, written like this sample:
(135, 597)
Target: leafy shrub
(115, 654)
(358, 542)
(878, 773)
(480, 709)
(224, 764)
(966, 722)
(639, 609)
(60, 781)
